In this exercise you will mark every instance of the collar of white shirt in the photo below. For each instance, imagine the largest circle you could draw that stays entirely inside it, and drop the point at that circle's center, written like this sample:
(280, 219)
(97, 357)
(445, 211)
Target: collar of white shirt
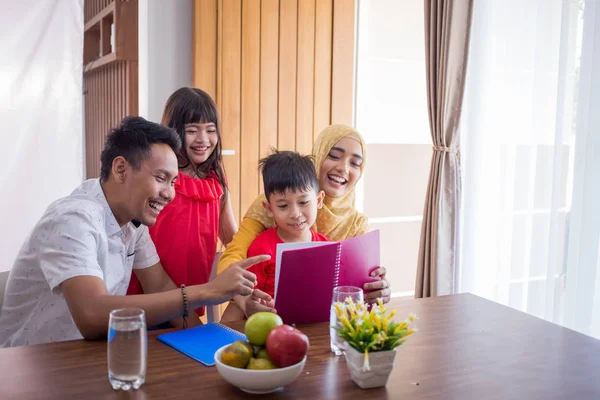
(111, 224)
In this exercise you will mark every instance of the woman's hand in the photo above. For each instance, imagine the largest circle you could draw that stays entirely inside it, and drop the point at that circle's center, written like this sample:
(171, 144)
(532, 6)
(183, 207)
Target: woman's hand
(380, 288)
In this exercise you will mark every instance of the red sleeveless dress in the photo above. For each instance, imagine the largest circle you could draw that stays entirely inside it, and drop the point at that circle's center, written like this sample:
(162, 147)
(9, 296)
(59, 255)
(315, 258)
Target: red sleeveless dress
(186, 232)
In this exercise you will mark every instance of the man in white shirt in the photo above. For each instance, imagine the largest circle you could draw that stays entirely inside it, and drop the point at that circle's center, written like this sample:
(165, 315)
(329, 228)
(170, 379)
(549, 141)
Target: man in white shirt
(76, 265)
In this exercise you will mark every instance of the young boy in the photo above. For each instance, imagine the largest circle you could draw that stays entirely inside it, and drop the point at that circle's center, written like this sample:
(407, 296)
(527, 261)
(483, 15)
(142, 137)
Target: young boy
(293, 197)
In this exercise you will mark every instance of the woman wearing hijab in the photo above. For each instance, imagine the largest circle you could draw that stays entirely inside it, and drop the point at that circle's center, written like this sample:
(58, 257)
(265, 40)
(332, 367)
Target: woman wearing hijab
(339, 154)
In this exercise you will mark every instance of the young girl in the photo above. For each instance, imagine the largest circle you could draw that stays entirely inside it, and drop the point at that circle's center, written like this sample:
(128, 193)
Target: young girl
(186, 230)
(339, 156)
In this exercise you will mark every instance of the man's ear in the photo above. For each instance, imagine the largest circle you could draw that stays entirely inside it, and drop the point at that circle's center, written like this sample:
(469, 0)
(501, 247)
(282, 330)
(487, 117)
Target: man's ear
(320, 198)
(267, 207)
(119, 169)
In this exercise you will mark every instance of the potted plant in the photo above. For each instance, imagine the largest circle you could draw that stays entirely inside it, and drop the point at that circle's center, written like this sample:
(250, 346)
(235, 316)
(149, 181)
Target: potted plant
(372, 339)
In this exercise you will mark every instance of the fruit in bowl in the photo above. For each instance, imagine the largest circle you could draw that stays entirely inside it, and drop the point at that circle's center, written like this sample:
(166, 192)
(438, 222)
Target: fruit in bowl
(259, 325)
(273, 357)
(258, 381)
(238, 354)
(261, 363)
(262, 353)
(286, 345)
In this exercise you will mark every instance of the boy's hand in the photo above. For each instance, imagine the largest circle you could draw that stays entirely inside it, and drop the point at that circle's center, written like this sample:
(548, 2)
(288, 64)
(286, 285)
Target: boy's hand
(381, 288)
(236, 280)
(259, 301)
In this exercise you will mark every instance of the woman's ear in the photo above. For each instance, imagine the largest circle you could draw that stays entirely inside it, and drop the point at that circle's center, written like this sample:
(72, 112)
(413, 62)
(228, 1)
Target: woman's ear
(320, 198)
(267, 207)
(119, 169)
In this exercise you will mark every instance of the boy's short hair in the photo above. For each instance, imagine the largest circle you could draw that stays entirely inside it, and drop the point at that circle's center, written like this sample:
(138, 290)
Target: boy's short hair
(133, 140)
(283, 170)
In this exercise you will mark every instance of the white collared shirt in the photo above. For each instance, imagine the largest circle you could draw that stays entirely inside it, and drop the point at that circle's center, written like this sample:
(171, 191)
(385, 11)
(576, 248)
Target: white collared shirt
(77, 235)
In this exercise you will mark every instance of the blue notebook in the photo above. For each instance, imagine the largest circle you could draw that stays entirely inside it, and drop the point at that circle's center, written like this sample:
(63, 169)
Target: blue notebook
(201, 342)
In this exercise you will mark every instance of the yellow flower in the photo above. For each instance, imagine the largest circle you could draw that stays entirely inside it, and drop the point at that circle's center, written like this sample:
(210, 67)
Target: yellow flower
(381, 338)
(360, 306)
(351, 307)
(370, 329)
(412, 317)
(400, 327)
(380, 303)
(344, 320)
(366, 364)
(338, 309)
(386, 323)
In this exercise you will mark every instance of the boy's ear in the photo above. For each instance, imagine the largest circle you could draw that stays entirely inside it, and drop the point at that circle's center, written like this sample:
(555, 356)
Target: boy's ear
(119, 169)
(267, 207)
(320, 198)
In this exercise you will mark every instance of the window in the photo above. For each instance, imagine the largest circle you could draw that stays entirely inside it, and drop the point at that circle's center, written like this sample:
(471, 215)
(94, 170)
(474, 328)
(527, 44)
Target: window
(391, 114)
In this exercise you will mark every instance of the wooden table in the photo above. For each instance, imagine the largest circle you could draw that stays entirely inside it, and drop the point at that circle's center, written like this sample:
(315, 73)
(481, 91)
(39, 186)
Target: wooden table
(466, 348)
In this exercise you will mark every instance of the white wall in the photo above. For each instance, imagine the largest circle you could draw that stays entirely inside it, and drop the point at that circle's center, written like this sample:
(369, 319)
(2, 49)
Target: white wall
(165, 52)
(41, 124)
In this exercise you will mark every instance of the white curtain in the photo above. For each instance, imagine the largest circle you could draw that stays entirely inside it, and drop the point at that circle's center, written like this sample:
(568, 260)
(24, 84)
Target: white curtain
(41, 114)
(530, 159)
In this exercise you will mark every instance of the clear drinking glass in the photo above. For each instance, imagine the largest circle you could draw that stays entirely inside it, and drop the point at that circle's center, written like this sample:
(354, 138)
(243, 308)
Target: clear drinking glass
(127, 348)
(340, 293)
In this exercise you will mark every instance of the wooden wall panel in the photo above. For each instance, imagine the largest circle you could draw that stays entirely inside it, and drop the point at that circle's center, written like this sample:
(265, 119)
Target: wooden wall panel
(281, 71)
(219, 98)
(269, 78)
(323, 52)
(110, 94)
(110, 89)
(288, 40)
(342, 82)
(204, 30)
(305, 76)
(250, 133)
(230, 103)
(93, 7)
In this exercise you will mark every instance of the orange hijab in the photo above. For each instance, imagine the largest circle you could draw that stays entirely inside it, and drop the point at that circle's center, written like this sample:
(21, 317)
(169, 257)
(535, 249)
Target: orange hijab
(338, 219)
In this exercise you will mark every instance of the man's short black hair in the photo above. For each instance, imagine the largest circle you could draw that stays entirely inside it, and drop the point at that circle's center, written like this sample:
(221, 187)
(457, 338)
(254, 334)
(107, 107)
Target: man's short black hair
(133, 140)
(284, 170)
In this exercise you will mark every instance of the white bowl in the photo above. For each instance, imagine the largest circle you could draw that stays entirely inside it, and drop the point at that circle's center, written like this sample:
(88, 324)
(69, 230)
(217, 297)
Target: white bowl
(258, 381)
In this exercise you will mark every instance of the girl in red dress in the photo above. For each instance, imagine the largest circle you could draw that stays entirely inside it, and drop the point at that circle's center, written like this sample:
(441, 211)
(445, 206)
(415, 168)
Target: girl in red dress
(187, 229)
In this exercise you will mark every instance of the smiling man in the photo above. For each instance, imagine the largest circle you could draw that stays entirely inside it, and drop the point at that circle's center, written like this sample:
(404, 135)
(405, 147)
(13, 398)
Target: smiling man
(75, 266)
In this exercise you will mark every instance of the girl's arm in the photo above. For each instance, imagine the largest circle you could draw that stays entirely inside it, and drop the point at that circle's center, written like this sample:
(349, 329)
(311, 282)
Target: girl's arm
(250, 228)
(227, 225)
(238, 247)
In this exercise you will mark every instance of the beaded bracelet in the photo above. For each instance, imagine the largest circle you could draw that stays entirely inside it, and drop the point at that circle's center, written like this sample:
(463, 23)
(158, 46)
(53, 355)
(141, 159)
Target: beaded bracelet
(185, 306)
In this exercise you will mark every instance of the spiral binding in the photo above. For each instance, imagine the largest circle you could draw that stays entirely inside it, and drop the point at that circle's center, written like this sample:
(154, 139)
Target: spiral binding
(238, 333)
(338, 260)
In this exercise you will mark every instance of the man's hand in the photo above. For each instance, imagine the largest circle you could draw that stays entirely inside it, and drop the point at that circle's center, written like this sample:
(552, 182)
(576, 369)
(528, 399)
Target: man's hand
(381, 288)
(235, 280)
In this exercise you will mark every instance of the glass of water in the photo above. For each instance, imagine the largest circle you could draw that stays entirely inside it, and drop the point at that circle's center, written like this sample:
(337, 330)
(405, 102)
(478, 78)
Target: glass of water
(127, 348)
(340, 293)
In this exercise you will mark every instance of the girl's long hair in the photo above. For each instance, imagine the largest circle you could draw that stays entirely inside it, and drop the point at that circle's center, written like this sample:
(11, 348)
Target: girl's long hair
(192, 106)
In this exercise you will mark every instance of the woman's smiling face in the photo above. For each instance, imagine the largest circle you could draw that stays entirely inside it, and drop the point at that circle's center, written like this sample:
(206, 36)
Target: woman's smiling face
(341, 169)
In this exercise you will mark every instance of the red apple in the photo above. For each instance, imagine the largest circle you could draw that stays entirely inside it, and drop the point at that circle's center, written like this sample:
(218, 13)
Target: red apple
(286, 345)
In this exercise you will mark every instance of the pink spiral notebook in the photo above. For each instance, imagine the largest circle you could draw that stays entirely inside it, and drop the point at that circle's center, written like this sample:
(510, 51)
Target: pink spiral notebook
(306, 274)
